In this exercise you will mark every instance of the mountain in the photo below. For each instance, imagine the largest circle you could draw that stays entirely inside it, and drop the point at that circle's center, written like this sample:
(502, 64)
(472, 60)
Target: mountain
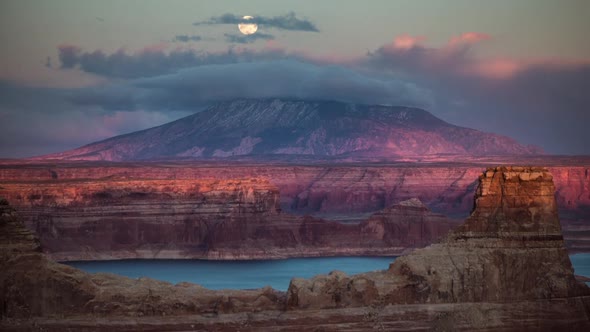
(324, 129)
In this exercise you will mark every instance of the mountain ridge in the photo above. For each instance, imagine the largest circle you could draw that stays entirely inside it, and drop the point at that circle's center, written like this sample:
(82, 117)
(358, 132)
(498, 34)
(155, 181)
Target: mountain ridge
(266, 127)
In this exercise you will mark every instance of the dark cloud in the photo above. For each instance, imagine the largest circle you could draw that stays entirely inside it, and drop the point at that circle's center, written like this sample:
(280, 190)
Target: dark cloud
(284, 22)
(35, 121)
(121, 64)
(191, 88)
(187, 38)
(160, 82)
(432, 63)
(69, 55)
(247, 39)
(546, 104)
(542, 103)
(119, 97)
(152, 63)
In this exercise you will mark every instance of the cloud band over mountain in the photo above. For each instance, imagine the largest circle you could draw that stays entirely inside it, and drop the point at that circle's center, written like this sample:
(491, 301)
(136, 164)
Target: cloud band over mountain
(538, 101)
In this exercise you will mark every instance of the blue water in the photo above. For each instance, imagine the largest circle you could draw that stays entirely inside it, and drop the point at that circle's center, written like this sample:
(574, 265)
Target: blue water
(236, 274)
(255, 274)
(581, 263)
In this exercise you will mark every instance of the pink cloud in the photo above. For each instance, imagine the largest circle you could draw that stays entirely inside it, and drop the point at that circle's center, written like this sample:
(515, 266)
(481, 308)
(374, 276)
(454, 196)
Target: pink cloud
(457, 58)
(405, 42)
(158, 47)
(495, 68)
(469, 38)
(273, 45)
(505, 68)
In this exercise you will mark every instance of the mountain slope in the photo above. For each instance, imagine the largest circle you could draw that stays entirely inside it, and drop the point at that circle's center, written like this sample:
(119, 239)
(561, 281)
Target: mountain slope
(292, 127)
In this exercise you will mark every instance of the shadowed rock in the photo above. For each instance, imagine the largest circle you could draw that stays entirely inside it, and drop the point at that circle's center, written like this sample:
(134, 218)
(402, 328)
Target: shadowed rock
(509, 249)
(205, 218)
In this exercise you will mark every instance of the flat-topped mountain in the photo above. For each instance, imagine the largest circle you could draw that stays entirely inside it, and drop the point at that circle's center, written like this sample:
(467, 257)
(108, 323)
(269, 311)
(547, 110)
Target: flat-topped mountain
(323, 129)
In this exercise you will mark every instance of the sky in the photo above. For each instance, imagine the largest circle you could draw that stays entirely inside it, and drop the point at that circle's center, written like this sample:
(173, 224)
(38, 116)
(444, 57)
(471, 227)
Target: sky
(74, 72)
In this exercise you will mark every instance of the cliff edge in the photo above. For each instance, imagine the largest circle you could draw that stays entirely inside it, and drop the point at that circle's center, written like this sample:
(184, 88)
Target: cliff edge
(510, 250)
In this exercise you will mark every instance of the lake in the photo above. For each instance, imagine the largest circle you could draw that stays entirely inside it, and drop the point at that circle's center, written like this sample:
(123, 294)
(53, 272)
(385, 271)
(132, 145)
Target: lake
(255, 274)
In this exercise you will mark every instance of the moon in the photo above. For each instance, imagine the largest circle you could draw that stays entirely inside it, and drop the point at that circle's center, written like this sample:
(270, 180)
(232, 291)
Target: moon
(248, 28)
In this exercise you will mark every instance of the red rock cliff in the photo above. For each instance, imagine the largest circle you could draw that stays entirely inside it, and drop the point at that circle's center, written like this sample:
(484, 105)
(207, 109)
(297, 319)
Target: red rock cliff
(213, 219)
(509, 250)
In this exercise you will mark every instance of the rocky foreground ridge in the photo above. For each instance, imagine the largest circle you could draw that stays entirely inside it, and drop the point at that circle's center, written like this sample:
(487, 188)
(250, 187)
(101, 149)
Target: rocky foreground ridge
(211, 219)
(505, 269)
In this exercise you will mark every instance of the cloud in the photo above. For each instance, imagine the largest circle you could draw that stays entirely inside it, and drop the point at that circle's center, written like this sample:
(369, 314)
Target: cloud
(537, 101)
(152, 62)
(35, 121)
(69, 55)
(409, 54)
(469, 38)
(187, 38)
(288, 21)
(405, 42)
(42, 120)
(192, 88)
(247, 39)
(495, 68)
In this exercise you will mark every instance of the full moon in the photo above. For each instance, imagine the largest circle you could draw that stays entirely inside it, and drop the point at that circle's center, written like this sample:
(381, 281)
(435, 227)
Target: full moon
(247, 28)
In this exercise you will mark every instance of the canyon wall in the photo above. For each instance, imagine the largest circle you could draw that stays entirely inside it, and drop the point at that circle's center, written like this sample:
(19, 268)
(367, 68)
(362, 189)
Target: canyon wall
(351, 188)
(344, 191)
(505, 269)
(212, 219)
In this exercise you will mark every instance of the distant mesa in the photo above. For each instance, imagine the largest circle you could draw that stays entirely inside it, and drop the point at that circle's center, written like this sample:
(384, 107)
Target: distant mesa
(263, 128)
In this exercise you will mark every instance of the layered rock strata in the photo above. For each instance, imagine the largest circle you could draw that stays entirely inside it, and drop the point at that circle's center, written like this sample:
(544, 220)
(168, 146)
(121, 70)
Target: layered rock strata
(509, 249)
(329, 191)
(504, 269)
(34, 286)
(349, 188)
(212, 219)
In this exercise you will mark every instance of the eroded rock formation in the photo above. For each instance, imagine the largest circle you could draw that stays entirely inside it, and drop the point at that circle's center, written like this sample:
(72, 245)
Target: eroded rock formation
(330, 190)
(509, 250)
(213, 219)
(33, 286)
(506, 268)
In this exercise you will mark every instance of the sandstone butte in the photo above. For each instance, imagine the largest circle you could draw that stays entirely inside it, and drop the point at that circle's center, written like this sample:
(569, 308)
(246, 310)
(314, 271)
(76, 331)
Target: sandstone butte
(504, 269)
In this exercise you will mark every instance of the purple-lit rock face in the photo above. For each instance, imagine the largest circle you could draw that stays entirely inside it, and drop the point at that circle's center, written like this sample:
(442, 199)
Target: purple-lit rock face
(214, 219)
(327, 190)
(289, 127)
